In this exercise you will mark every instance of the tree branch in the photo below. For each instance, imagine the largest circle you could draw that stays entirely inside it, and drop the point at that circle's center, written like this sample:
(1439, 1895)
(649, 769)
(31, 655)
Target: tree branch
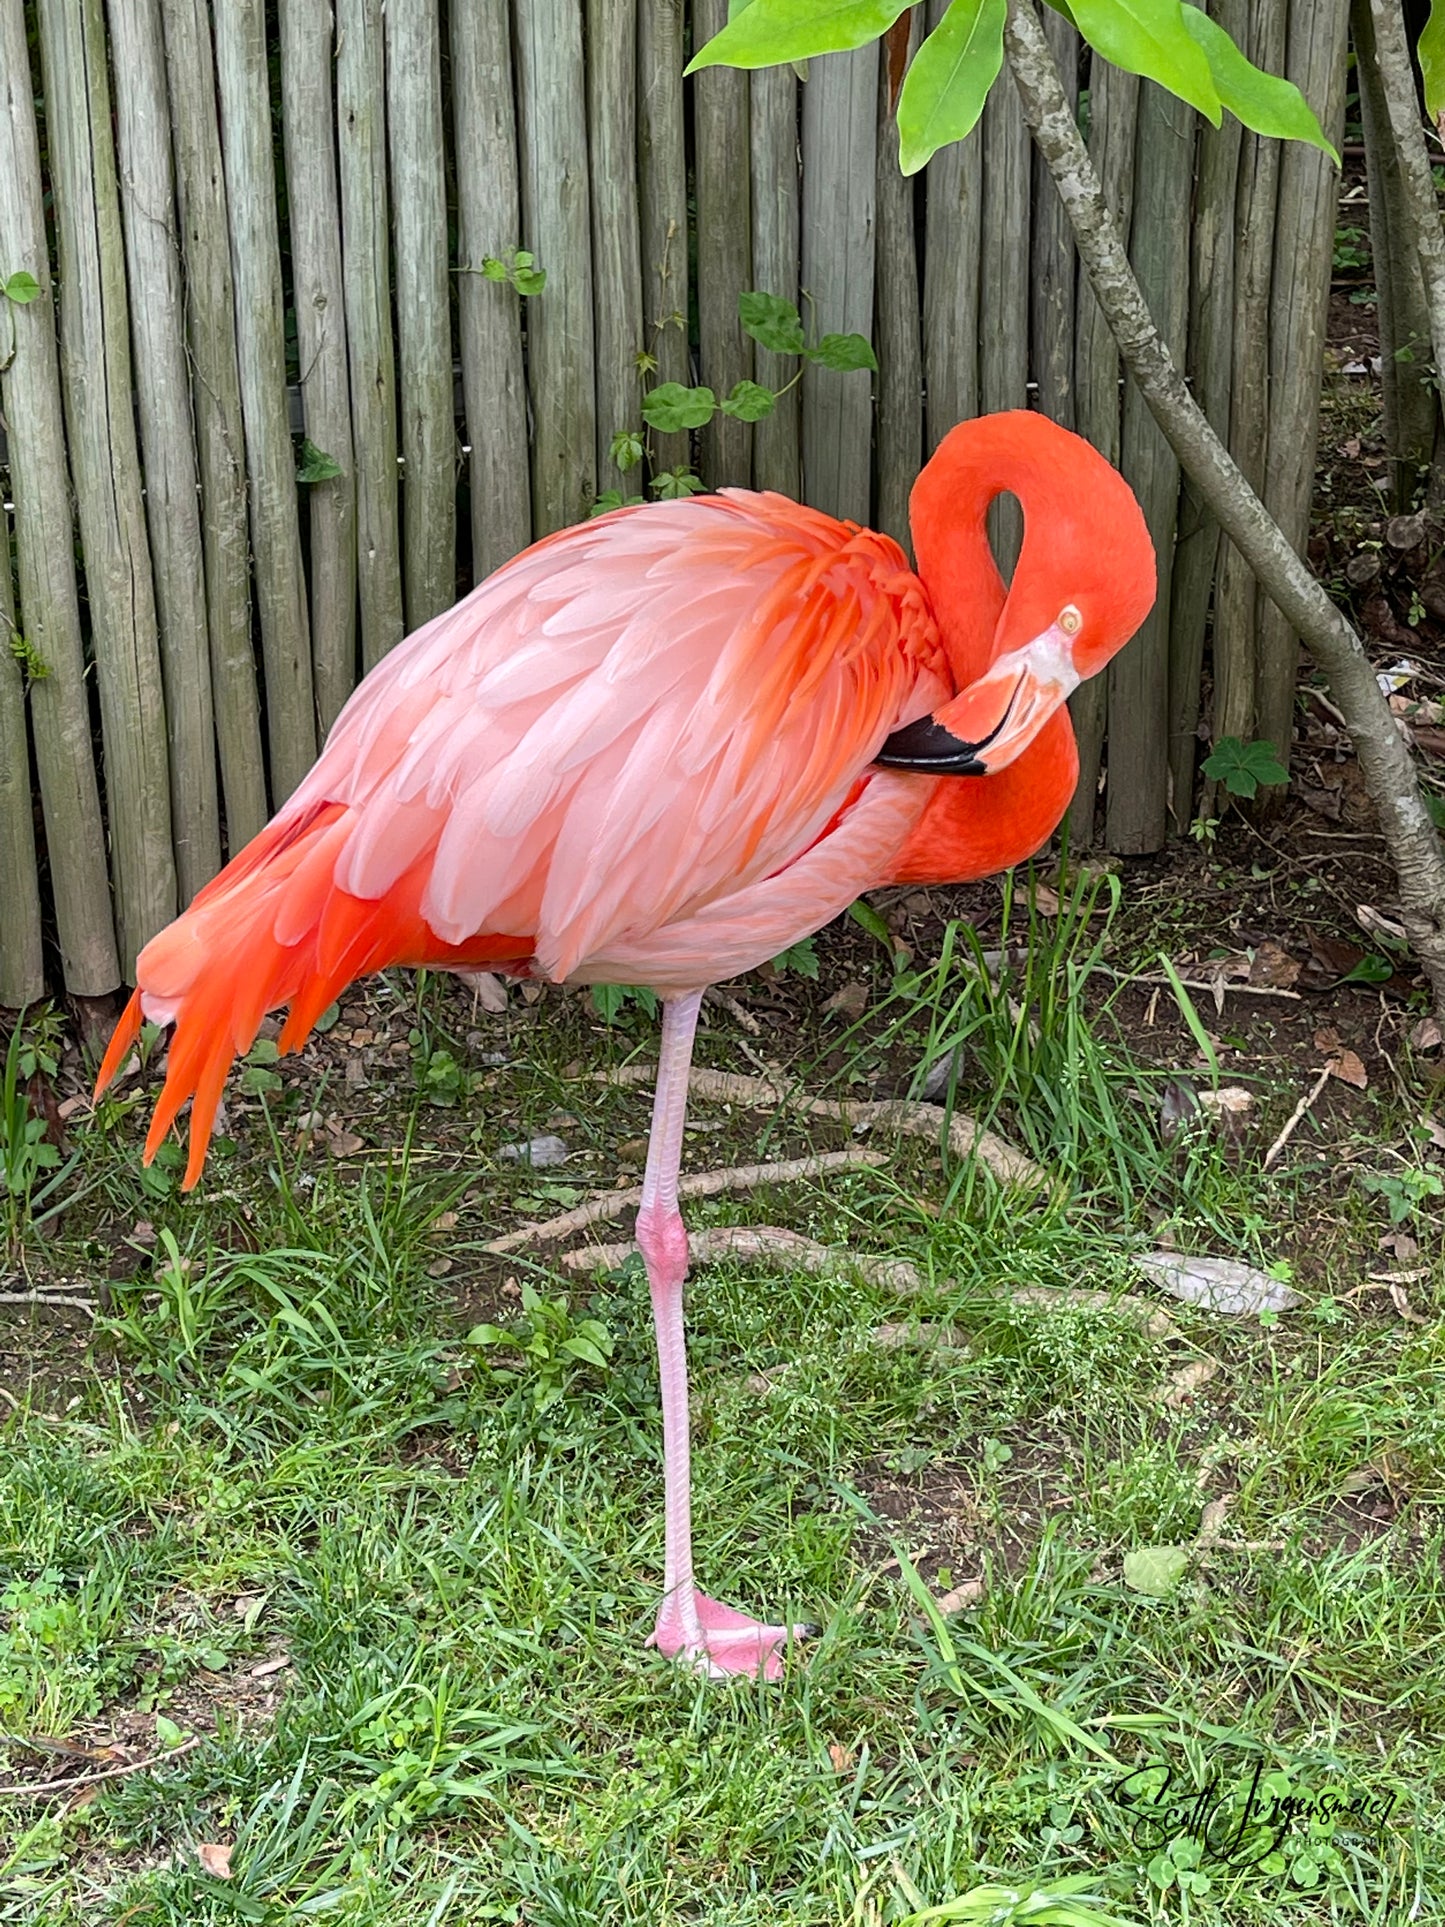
(1384, 760)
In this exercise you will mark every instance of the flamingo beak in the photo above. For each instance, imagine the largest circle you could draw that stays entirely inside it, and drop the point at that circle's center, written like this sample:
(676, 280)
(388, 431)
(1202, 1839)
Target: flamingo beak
(989, 724)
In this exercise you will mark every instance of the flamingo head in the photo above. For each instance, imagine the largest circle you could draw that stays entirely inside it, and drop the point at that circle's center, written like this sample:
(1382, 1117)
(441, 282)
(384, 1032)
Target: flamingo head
(1085, 581)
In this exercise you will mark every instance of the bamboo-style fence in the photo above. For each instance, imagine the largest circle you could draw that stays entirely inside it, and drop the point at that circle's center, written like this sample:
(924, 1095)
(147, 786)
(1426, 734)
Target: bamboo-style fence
(253, 221)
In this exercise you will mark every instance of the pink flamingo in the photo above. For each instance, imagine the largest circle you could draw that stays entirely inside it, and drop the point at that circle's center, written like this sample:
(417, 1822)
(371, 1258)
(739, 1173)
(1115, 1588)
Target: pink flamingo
(658, 748)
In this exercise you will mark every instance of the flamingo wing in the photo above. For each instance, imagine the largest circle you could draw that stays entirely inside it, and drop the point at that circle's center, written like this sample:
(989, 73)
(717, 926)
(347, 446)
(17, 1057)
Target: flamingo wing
(636, 721)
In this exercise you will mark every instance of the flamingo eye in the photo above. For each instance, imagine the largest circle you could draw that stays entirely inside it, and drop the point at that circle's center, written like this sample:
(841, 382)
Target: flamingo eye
(1070, 621)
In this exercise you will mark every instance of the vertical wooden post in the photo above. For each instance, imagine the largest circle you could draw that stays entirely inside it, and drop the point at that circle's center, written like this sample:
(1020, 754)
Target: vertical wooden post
(1113, 123)
(777, 447)
(490, 221)
(663, 168)
(216, 400)
(561, 370)
(1197, 543)
(1055, 265)
(366, 271)
(616, 239)
(840, 128)
(419, 209)
(22, 973)
(105, 463)
(1139, 674)
(1235, 596)
(173, 516)
(1003, 332)
(245, 93)
(724, 246)
(308, 119)
(899, 332)
(1411, 407)
(953, 247)
(1299, 312)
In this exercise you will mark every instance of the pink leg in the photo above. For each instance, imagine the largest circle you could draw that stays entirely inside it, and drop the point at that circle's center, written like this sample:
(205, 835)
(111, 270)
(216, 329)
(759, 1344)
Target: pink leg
(689, 1624)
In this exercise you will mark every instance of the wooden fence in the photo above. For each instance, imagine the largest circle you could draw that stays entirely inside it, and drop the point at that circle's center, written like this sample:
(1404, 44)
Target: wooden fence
(248, 218)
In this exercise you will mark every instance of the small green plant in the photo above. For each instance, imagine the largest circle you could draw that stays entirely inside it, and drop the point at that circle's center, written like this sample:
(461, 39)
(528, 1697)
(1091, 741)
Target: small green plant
(315, 464)
(31, 1169)
(441, 1080)
(551, 1344)
(20, 287)
(1352, 249)
(610, 1000)
(516, 268)
(35, 666)
(1407, 1191)
(800, 958)
(1244, 768)
(670, 408)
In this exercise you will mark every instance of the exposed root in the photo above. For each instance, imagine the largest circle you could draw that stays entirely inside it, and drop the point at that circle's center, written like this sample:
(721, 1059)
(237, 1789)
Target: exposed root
(69, 1300)
(701, 1184)
(1296, 1117)
(1008, 1165)
(794, 1252)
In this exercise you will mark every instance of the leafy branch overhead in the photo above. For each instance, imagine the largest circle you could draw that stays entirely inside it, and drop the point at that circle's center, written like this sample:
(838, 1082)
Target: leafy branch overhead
(1167, 41)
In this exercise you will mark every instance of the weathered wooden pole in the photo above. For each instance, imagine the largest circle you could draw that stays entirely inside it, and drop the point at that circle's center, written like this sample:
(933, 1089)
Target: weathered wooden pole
(163, 398)
(494, 381)
(561, 368)
(366, 254)
(96, 370)
(724, 246)
(419, 211)
(45, 552)
(898, 453)
(216, 401)
(22, 967)
(616, 231)
(244, 87)
(777, 447)
(662, 161)
(313, 201)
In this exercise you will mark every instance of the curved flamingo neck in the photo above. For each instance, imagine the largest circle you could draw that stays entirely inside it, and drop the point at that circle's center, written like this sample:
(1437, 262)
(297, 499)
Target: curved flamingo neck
(948, 510)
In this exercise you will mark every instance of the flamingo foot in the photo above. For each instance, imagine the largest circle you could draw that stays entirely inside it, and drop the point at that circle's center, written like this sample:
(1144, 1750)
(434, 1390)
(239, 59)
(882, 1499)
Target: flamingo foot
(721, 1641)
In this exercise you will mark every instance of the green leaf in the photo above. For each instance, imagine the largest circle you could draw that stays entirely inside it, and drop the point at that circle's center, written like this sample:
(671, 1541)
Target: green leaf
(1155, 1570)
(1244, 767)
(800, 957)
(316, 464)
(493, 269)
(1431, 55)
(844, 352)
(1369, 970)
(1149, 37)
(749, 402)
(674, 484)
(529, 280)
(867, 918)
(949, 79)
(670, 407)
(625, 448)
(21, 287)
(586, 1350)
(1264, 102)
(167, 1732)
(773, 323)
(769, 32)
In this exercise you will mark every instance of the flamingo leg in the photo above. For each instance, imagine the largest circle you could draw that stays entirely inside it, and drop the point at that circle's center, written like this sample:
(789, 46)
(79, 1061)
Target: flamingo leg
(689, 1625)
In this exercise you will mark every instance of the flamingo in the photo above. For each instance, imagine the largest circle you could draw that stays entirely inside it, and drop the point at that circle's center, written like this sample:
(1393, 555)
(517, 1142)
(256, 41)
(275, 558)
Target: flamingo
(658, 748)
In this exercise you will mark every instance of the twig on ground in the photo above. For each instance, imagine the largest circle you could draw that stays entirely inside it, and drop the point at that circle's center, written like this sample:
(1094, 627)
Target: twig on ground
(1211, 984)
(70, 1300)
(77, 1783)
(910, 1119)
(1295, 1117)
(734, 1009)
(701, 1184)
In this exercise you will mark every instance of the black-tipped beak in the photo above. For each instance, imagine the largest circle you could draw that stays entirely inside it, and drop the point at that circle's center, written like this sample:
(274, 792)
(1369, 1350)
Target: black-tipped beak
(928, 747)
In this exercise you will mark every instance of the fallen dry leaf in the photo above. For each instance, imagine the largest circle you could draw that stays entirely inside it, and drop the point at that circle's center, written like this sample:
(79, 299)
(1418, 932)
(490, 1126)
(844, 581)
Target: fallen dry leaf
(962, 1596)
(1348, 1068)
(1046, 901)
(1401, 1243)
(1216, 1284)
(540, 1152)
(851, 1001)
(487, 987)
(1402, 1305)
(1273, 968)
(1426, 1035)
(842, 1758)
(215, 1858)
(343, 1144)
(1212, 1519)
(270, 1666)
(1179, 1389)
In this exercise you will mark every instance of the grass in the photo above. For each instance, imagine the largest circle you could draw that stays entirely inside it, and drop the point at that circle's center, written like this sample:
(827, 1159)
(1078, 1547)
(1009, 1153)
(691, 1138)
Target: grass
(280, 1447)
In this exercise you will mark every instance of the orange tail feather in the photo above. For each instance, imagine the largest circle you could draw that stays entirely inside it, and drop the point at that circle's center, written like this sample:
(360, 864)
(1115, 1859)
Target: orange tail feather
(221, 966)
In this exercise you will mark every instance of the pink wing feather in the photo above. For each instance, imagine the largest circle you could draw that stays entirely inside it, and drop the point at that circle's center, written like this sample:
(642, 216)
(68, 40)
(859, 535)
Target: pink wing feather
(634, 754)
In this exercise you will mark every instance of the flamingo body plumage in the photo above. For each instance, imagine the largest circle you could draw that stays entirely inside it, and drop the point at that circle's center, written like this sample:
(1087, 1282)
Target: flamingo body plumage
(644, 751)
